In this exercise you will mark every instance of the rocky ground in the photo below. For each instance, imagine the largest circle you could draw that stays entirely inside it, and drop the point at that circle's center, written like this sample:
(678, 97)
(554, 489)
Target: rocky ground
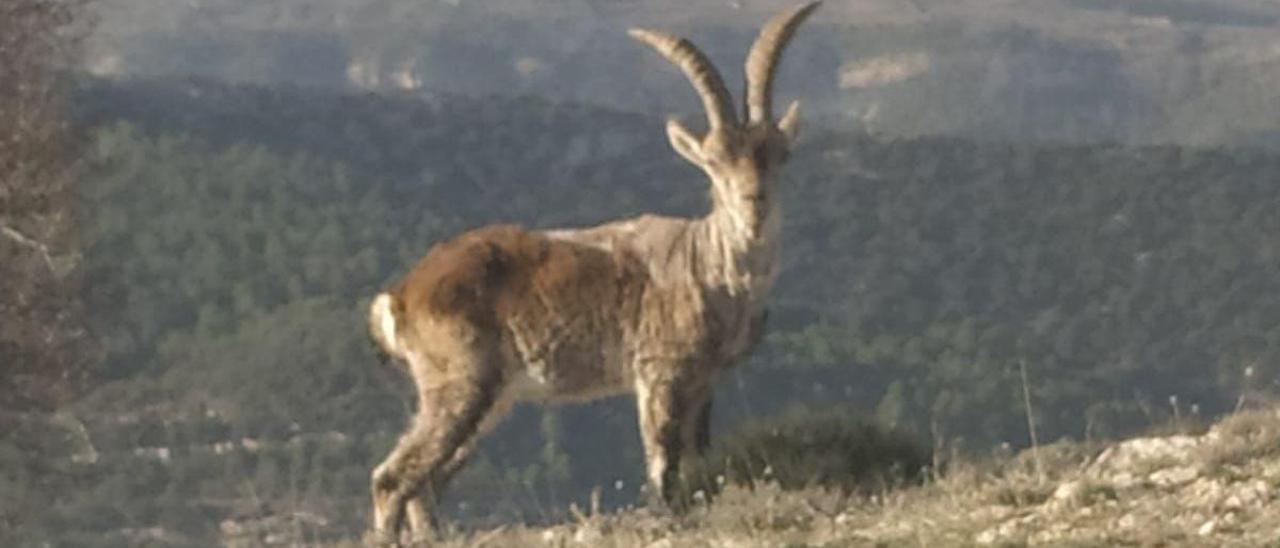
(1215, 487)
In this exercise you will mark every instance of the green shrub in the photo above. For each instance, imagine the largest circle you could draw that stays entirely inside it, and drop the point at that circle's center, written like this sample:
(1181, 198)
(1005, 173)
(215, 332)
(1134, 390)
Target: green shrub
(832, 448)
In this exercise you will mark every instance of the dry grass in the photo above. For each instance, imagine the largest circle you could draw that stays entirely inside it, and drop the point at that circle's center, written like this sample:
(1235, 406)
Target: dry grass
(1242, 438)
(1215, 489)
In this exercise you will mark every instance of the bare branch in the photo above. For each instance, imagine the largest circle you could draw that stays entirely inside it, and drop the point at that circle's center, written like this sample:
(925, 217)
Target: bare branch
(29, 242)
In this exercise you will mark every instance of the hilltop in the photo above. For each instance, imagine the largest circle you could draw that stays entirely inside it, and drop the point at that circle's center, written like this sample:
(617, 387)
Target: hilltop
(1212, 488)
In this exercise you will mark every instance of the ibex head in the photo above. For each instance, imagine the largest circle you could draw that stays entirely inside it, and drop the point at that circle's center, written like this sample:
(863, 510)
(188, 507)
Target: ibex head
(739, 156)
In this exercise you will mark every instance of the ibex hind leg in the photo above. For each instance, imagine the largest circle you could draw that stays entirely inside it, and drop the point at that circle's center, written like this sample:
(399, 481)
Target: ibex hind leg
(449, 418)
(422, 524)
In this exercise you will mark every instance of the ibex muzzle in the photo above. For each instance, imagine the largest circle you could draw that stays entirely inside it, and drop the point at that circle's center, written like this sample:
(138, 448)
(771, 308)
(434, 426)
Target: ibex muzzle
(653, 305)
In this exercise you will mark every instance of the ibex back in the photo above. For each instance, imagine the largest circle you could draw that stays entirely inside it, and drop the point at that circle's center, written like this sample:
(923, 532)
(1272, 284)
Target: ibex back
(651, 305)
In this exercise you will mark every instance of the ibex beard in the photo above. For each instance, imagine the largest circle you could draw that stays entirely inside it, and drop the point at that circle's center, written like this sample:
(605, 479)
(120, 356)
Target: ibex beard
(655, 306)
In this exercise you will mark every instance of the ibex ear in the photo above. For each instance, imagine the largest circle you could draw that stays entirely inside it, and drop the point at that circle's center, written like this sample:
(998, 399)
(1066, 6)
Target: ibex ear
(684, 142)
(789, 125)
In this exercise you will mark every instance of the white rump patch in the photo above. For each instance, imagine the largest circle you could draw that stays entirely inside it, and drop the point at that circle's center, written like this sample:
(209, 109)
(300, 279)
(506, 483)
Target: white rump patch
(382, 317)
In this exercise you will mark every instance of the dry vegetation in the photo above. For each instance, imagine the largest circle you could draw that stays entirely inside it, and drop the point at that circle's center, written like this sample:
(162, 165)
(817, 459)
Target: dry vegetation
(1211, 489)
(1216, 487)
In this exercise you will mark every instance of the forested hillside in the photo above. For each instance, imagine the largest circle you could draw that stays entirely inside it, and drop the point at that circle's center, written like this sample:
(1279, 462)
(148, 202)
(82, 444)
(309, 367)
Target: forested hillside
(234, 234)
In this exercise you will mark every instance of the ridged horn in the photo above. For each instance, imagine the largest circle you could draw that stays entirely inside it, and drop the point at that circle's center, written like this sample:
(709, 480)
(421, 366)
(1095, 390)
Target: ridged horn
(762, 62)
(701, 73)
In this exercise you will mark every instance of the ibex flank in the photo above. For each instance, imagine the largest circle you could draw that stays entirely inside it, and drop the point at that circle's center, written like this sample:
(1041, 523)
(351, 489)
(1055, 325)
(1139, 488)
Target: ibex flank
(655, 306)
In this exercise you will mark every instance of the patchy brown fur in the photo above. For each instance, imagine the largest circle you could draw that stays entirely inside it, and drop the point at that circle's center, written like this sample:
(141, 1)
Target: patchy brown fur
(654, 306)
(504, 271)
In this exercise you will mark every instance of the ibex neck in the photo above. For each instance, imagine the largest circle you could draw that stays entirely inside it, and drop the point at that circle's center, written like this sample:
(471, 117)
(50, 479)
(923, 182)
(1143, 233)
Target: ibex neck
(739, 249)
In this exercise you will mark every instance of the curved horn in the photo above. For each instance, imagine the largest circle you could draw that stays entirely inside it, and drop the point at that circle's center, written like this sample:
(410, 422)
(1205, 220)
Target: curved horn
(701, 73)
(762, 62)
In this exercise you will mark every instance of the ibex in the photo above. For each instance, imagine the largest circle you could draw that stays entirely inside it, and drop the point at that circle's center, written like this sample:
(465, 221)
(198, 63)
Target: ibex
(652, 305)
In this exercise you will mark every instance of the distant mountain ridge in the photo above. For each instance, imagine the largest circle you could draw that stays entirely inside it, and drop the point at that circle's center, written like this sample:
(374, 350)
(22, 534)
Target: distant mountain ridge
(1151, 71)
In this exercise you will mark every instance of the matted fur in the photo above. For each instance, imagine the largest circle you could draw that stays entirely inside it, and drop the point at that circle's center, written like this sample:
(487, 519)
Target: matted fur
(654, 306)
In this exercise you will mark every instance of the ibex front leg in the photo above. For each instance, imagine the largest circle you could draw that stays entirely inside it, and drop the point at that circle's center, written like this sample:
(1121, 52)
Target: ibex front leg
(665, 407)
(695, 430)
(699, 429)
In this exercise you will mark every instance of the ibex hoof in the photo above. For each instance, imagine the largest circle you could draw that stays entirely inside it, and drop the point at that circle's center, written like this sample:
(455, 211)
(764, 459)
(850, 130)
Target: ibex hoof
(421, 539)
(381, 539)
(666, 508)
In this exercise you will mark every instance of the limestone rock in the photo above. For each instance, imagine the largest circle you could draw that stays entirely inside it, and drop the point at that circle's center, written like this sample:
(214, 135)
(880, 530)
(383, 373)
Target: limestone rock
(1135, 453)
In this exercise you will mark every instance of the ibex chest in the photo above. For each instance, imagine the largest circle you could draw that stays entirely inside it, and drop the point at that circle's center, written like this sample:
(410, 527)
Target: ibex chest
(710, 327)
(737, 325)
